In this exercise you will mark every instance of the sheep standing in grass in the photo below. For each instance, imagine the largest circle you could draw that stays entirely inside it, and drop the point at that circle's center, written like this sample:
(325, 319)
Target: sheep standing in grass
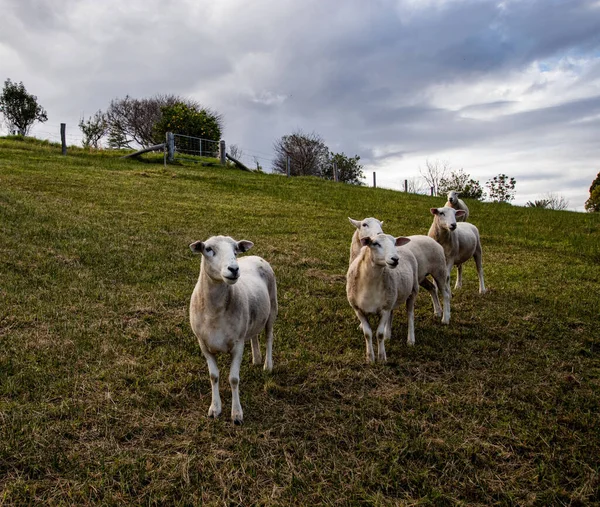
(456, 203)
(430, 260)
(379, 280)
(233, 301)
(460, 242)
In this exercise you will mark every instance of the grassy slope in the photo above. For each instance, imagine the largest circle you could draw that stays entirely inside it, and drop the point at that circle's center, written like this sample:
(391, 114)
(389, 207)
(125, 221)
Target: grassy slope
(104, 392)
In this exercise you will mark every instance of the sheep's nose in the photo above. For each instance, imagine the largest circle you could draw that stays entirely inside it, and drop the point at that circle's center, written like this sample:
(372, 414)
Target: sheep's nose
(452, 227)
(395, 260)
(234, 270)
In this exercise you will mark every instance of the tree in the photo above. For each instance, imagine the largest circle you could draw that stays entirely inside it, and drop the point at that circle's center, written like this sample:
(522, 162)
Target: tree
(307, 152)
(134, 121)
(434, 173)
(549, 201)
(19, 108)
(188, 120)
(593, 203)
(501, 188)
(462, 183)
(93, 129)
(348, 169)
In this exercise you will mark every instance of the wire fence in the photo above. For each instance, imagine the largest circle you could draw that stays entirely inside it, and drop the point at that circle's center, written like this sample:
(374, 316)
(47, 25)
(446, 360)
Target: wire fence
(195, 146)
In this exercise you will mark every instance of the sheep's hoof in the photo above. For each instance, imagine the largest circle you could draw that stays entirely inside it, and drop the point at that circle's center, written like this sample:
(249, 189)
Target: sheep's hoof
(213, 413)
(268, 367)
(238, 420)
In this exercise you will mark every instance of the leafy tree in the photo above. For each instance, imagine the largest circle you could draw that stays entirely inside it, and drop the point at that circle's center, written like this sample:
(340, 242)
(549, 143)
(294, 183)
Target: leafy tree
(189, 120)
(434, 173)
(593, 203)
(136, 121)
(93, 129)
(501, 188)
(308, 154)
(463, 183)
(348, 169)
(19, 108)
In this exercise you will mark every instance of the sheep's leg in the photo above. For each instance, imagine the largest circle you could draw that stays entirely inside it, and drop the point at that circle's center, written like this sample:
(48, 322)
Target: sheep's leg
(442, 281)
(478, 263)
(430, 287)
(237, 415)
(447, 294)
(366, 329)
(410, 312)
(213, 369)
(458, 277)
(381, 334)
(269, 351)
(256, 355)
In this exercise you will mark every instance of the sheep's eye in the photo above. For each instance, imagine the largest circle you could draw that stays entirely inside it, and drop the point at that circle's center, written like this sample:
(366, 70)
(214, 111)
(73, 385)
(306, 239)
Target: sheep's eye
(441, 213)
(209, 250)
(364, 225)
(376, 244)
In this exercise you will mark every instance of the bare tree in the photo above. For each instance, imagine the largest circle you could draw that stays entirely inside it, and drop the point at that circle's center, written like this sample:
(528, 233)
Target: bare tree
(549, 201)
(235, 151)
(307, 152)
(416, 185)
(434, 172)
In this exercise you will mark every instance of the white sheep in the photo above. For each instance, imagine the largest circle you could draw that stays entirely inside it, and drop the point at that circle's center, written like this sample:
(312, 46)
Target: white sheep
(364, 229)
(379, 280)
(233, 301)
(456, 203)
(460, 242)
(430, 261)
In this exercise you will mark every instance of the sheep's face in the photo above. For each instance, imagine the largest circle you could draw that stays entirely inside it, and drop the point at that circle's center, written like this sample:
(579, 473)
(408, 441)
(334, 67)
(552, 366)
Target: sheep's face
(446, 217)
(383, 249)
(453, 197)
(219, 255)
(367, 227)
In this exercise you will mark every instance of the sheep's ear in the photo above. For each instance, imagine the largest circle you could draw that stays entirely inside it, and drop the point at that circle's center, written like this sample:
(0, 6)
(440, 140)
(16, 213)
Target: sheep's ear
(197, 247)
(401, 240)
(365, 241)
(460, 212)
(244, 245)
(355, 223)
(434, 211)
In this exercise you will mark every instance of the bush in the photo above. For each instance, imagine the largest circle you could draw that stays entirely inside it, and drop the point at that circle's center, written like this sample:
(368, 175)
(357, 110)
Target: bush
(187, 120)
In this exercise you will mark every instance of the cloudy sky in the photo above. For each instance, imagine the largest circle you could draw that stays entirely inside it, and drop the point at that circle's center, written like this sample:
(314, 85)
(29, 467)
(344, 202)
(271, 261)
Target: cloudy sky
(509, 86)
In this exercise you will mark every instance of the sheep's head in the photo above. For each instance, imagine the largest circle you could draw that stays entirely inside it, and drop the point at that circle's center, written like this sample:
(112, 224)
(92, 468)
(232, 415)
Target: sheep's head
(219, 255)
(367, 227)
(446, 217)
(453, 197)
(383, 248)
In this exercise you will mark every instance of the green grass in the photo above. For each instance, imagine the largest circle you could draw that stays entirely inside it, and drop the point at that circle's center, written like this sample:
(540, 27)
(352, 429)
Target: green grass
(104, 391)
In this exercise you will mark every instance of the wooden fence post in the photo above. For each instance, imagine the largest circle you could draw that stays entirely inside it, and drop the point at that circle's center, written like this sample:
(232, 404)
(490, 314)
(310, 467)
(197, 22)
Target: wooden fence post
(431, 191)
(406, 185)
(335, 172)
(63, 137)
(288, 166)
(170, 147)
(222, 151)
(374, 180)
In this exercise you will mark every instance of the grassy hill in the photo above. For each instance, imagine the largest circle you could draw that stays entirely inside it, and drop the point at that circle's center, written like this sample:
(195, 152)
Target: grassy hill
(104, 391)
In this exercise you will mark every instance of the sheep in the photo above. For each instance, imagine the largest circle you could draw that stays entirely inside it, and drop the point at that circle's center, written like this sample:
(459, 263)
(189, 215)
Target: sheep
(456, 203)
(377, 282)
(232, 302)
(430, 261)
(460, 242)
(364, 229)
